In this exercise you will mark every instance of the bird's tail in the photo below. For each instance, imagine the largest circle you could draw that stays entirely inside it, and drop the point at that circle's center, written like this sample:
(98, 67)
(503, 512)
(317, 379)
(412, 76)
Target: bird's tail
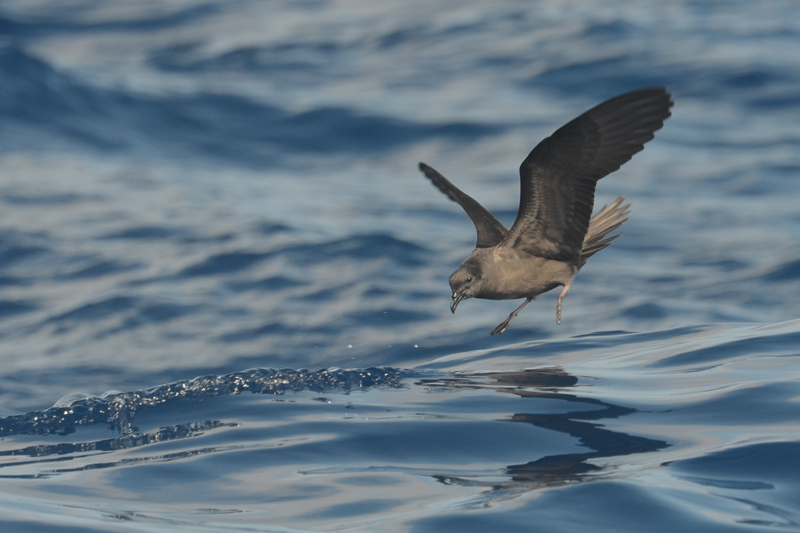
(609, 219)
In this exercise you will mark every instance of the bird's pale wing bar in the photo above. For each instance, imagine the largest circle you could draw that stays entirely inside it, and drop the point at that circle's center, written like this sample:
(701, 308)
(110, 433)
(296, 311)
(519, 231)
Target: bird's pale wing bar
(559, 176)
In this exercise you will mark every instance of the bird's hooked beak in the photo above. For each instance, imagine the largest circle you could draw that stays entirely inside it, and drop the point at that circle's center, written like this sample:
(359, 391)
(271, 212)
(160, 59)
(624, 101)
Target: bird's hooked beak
(457, 297)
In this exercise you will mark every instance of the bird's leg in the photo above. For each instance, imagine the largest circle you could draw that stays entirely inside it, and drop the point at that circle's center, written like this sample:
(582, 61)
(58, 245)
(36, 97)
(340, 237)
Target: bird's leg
(558, 305)
(502, 327)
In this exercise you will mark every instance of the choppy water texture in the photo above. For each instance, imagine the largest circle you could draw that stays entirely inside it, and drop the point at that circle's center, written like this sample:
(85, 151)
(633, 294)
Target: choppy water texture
(223, 281)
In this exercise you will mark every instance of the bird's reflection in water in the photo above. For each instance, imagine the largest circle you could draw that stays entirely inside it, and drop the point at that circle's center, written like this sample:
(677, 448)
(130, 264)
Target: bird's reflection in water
(578, 423)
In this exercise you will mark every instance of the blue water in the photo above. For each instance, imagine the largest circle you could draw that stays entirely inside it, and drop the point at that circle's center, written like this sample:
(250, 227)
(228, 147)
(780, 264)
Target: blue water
(223, 281)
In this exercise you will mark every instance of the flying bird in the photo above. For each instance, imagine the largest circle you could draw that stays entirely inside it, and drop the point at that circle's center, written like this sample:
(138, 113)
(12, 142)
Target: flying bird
(554, 233)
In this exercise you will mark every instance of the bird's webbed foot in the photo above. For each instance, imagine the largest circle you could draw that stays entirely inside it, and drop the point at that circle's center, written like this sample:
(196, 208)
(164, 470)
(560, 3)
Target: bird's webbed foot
(502, 327)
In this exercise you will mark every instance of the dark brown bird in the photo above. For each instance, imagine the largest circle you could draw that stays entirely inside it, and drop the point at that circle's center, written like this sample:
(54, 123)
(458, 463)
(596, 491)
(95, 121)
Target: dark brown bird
(554, 233)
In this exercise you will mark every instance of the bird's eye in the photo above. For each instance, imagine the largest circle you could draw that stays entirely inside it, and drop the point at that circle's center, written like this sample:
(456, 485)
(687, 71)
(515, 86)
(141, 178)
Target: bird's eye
(469, 279)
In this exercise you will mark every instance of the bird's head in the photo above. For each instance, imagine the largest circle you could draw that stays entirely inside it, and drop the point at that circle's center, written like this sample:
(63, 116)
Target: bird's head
(465, 283)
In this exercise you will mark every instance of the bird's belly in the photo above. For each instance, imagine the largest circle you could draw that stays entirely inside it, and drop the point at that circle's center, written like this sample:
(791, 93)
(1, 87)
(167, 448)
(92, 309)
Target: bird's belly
(522, 277)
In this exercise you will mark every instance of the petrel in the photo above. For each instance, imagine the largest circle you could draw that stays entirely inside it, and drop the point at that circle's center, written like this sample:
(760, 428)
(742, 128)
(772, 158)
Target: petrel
(554, 233)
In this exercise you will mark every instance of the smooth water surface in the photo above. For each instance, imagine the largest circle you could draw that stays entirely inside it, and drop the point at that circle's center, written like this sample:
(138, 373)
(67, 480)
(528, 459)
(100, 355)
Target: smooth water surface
(223, 281)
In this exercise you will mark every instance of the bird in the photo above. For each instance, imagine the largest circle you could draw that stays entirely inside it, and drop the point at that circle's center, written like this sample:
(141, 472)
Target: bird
(554, 233)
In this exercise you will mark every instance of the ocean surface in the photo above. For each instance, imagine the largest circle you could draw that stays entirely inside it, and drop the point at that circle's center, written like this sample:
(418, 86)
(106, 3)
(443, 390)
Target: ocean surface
(223, 280)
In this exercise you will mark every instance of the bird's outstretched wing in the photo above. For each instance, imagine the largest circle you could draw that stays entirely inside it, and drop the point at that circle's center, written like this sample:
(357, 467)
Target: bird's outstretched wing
(559, 176)
(490, 230)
